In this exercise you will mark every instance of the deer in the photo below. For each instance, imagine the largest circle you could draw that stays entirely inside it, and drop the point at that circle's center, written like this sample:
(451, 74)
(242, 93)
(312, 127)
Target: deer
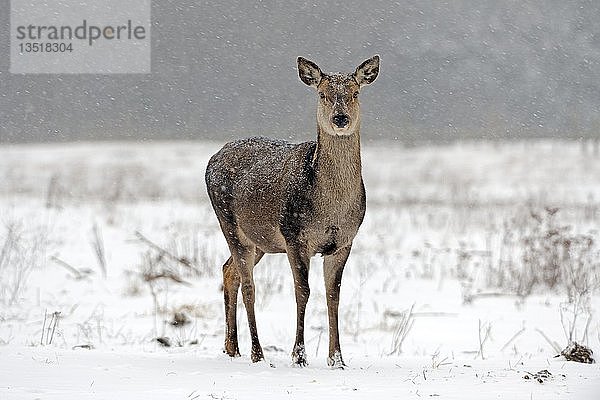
(271, 196)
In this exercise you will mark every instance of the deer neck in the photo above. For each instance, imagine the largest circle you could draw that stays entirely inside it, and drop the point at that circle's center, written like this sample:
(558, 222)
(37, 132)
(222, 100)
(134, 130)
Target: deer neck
(337, 164)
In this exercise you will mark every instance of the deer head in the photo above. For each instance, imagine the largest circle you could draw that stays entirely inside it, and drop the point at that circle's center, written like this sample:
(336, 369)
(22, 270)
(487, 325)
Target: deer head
(338, 110)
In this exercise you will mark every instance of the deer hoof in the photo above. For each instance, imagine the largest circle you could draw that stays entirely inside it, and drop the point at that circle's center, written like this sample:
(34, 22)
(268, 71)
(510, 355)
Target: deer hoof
(257, 355)
(231, 349)
(299, 362)
(335, 361)
(299, 356)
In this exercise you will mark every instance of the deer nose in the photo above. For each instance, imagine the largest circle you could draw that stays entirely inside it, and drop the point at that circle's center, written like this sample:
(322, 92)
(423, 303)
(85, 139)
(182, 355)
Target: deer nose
(341, 120)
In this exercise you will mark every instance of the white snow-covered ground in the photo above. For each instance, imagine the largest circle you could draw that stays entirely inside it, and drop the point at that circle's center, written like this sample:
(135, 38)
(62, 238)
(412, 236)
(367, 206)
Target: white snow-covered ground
(443, 226)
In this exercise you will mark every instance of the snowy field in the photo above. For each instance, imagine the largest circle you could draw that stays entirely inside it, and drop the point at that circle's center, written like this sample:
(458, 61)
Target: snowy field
(475, 265)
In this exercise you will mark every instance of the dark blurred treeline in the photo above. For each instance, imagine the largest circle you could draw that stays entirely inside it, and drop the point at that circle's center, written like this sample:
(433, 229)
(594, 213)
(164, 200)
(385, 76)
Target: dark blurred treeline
(224, 69)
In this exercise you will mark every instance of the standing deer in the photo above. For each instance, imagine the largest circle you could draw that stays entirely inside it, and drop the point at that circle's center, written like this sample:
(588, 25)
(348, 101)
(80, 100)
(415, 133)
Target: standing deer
(271, 196)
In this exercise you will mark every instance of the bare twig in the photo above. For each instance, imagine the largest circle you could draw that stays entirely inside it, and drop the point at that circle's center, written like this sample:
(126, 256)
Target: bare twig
(164, 253)
(44, 326)
(150, 276)
(512, 338)
(21, 252)
(77, 274)
(485, 327)
(575, 315)
(512, 366)
(49, 329)
(98, 246)
(578, 309)
(554, 345)
(587, 327)
(318, 342)
(404, 327)
(55, 318)
(435, 363)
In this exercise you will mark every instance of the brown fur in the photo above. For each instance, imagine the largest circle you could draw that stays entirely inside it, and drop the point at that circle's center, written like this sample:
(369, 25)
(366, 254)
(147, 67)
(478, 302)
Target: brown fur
(274, 197)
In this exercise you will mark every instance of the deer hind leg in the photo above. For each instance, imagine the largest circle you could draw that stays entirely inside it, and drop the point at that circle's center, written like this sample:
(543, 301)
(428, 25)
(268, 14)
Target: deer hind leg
(333, 267)
(231, 285)
(300, 266)
(244, 256)
(245, 267)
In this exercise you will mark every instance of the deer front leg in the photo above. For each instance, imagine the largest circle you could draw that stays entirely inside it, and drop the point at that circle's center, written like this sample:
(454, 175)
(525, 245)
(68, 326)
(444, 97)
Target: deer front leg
(333, 267)
(299, 262)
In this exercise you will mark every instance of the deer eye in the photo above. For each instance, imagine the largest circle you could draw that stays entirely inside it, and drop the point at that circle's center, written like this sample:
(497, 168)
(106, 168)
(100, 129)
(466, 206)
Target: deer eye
(322, 95)
(355, 95)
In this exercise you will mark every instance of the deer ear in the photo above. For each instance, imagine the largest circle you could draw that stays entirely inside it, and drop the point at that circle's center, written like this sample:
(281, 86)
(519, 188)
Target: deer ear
(367, 71)
(309, 72)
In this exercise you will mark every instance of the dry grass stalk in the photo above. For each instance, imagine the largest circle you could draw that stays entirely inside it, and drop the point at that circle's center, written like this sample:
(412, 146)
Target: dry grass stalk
(404, 326)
